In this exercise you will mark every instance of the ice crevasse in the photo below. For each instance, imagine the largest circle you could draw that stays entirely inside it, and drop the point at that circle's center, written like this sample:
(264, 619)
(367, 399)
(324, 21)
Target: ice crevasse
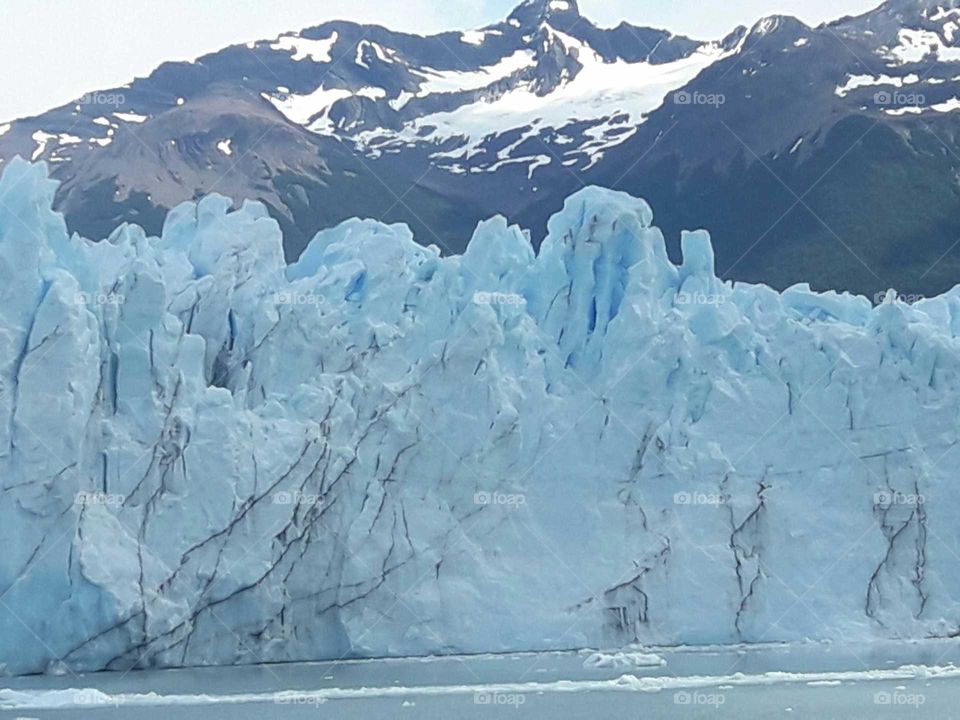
(210, 457)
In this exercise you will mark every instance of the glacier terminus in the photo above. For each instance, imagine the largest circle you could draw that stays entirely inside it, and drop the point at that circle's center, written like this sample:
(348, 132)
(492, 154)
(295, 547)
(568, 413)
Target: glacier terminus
(209, 456)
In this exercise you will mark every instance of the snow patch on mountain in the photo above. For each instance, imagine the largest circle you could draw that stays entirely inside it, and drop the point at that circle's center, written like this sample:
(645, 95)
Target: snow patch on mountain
(916, 45)
(41, 138)
(943, 13)
(476, 37)
(451, 81)
(854, 82)
(950, 105)
(379, 52)
(131, 117)
(301, 48)
(602, 95)
(312, 109)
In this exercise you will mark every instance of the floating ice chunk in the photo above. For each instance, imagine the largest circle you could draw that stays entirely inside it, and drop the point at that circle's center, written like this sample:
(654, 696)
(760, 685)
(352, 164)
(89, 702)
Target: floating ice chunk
(623, 659)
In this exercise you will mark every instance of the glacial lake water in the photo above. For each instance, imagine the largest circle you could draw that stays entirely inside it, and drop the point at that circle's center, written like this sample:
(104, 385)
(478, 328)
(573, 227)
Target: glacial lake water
(883, 680)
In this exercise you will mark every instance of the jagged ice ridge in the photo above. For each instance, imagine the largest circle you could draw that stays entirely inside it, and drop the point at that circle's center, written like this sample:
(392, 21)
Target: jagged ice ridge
(208, 456)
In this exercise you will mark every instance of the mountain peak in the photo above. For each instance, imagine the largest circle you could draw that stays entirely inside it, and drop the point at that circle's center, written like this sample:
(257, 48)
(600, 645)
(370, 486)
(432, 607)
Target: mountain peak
(777, 23)
(533, 12)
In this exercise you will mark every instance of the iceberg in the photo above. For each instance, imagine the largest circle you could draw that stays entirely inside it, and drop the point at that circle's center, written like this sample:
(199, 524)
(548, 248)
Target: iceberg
(208, 456)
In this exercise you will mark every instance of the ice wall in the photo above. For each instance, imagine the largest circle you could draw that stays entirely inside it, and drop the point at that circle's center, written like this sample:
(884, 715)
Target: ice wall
(207, 456)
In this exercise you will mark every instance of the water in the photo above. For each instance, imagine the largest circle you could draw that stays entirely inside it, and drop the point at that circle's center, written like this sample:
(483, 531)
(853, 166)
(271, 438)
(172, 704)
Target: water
(824, 681)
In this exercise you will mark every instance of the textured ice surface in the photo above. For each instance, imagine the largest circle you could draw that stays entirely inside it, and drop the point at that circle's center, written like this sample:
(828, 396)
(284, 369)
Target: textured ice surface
(209, 457)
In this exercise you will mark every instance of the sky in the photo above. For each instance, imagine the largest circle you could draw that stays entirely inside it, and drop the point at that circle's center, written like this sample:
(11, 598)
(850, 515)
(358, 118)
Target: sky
(53, 51)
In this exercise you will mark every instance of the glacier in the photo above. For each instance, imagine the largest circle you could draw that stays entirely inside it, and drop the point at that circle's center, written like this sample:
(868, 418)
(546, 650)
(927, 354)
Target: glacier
(210, 457)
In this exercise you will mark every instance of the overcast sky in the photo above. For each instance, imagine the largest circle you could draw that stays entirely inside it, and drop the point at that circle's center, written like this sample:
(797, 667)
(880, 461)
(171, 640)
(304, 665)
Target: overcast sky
(54, 50)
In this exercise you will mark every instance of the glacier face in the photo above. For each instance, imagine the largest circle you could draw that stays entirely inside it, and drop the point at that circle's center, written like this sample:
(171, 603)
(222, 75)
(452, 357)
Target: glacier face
(208, 457)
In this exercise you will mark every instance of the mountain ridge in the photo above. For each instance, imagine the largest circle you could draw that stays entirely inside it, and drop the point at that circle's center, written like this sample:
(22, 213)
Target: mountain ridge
(739, 135)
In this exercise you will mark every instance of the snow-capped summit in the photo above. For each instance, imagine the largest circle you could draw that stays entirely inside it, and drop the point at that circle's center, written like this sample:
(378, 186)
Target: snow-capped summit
(778, 24)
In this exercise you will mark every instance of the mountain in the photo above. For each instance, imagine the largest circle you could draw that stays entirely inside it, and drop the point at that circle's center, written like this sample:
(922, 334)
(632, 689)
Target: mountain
(825, 154)
(208, 456)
